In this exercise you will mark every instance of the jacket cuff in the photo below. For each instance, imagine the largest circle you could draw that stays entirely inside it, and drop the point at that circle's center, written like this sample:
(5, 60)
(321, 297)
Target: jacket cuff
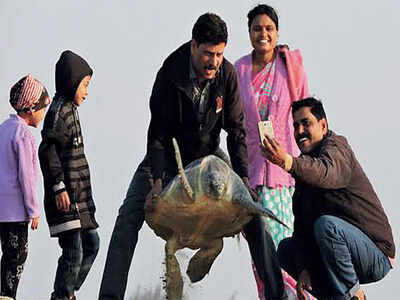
(157, 163)
(300, 263)
(59, 188)
(157, 174)
(242, 173)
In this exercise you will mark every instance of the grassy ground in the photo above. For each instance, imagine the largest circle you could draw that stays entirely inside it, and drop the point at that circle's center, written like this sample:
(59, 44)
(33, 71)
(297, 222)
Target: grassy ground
(154, 294)
(157, 294)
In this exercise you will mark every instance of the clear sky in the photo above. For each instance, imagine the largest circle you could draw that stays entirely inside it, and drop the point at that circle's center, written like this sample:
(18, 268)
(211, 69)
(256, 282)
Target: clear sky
(351, 55)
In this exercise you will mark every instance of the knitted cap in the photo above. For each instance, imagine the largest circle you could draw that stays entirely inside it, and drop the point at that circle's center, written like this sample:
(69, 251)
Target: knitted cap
(28, 93)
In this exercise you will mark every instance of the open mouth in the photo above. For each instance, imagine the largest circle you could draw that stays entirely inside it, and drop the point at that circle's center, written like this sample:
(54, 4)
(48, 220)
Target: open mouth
(209, 71)
(302, 140)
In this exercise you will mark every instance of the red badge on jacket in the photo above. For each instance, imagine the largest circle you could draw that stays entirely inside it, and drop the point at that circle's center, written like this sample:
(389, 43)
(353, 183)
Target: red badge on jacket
(219, 104)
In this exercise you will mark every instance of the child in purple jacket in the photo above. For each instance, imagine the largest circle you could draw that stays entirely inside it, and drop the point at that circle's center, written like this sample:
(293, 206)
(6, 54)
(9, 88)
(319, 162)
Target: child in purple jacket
(18, 179)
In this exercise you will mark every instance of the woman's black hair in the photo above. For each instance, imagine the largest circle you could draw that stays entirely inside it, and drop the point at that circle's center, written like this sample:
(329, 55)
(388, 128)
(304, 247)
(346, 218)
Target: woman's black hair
(263, 9)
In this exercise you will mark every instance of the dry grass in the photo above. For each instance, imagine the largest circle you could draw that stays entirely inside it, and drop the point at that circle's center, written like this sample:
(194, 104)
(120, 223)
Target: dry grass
(158, 294)
(148, 294)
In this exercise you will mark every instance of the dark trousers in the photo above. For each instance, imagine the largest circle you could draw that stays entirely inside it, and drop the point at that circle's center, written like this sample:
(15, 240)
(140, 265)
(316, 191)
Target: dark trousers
(130, 220)
(342, 258)
(265, 258)
(79, 250)
(125, 236)
(14, 245)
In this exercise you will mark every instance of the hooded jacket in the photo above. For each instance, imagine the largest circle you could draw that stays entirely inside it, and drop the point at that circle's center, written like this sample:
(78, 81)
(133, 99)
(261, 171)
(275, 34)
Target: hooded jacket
(330, 181)
(61, 152)
(173, 115)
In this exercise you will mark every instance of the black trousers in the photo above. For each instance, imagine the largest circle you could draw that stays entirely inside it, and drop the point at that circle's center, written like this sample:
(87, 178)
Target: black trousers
(14, 245)
(265, 258)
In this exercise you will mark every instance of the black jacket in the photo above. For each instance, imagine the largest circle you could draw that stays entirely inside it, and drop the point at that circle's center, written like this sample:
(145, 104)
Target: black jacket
(173, 115)
(61, 152)
(330, 181)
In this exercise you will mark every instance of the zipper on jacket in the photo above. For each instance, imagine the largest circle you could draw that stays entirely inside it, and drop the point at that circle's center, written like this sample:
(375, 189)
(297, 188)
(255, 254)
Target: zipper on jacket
(77, 138)
(77, 209)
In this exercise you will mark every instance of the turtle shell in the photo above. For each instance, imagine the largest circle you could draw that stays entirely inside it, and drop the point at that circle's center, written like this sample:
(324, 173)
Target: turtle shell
(219, 206)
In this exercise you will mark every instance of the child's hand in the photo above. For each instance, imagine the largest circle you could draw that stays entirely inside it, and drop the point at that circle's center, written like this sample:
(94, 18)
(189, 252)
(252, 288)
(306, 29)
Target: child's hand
(62, 201)
(34, 223)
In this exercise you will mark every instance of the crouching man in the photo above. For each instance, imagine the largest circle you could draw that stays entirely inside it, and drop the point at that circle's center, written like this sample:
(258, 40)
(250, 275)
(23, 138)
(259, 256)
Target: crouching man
(341, 236)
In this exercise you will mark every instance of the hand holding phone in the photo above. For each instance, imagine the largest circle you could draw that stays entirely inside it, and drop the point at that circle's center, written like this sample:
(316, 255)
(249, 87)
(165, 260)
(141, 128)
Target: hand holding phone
(265, 128)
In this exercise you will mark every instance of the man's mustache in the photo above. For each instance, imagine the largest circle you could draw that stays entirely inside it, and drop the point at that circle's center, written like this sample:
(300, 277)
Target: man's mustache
(299, 137)
(211, 67)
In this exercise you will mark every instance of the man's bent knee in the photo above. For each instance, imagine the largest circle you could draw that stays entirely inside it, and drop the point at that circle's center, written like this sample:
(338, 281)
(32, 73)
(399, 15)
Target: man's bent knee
(323, 226)
(285, 253)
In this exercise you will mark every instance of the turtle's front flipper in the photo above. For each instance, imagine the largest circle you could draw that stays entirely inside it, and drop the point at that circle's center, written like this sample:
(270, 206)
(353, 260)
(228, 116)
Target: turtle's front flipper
(174, 282)
(201, 262)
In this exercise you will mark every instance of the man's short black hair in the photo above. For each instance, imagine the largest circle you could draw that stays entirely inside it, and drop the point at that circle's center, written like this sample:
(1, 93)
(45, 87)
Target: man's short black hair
(316, 107)
(210, 28)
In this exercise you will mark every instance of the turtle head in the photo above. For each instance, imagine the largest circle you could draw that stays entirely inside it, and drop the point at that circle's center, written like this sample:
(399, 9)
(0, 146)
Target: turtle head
(214, 173)
(215, 185)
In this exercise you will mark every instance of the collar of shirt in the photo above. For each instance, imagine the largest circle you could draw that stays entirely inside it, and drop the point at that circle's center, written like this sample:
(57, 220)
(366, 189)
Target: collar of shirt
(200, 93)
(18, 118)
(192, 72)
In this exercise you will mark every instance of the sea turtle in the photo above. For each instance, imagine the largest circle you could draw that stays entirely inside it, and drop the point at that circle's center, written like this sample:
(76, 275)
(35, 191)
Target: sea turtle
(204, 203)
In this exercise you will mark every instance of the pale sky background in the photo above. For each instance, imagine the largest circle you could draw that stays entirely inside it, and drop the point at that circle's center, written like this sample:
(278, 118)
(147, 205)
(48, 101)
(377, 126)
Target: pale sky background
(351, 55)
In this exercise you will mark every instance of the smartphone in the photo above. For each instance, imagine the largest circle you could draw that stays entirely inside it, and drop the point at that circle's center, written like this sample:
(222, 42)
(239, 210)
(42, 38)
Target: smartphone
(265, 128)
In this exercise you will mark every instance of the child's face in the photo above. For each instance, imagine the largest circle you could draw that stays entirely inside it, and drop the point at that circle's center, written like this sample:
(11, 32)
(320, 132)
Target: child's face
(37, 117)
(82, 91)
(34, 117)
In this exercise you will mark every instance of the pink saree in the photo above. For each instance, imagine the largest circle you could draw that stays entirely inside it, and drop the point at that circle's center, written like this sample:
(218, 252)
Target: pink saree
(269, 96)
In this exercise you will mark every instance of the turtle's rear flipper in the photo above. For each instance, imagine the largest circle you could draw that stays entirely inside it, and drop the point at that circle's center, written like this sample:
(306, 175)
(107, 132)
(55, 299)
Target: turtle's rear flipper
(173, 280)
(255, 208)
(201, 262)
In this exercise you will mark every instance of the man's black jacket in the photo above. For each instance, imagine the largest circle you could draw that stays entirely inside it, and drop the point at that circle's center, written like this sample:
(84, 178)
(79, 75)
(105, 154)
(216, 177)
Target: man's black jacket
(173, 115)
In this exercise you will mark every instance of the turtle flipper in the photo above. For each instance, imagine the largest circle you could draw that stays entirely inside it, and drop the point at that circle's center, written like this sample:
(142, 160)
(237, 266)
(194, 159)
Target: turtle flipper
(244, 199)
(201, 262)
(173, 280)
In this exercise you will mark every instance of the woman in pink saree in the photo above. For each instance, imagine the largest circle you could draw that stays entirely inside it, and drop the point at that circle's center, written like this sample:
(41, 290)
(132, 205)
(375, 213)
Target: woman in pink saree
(271, 78)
